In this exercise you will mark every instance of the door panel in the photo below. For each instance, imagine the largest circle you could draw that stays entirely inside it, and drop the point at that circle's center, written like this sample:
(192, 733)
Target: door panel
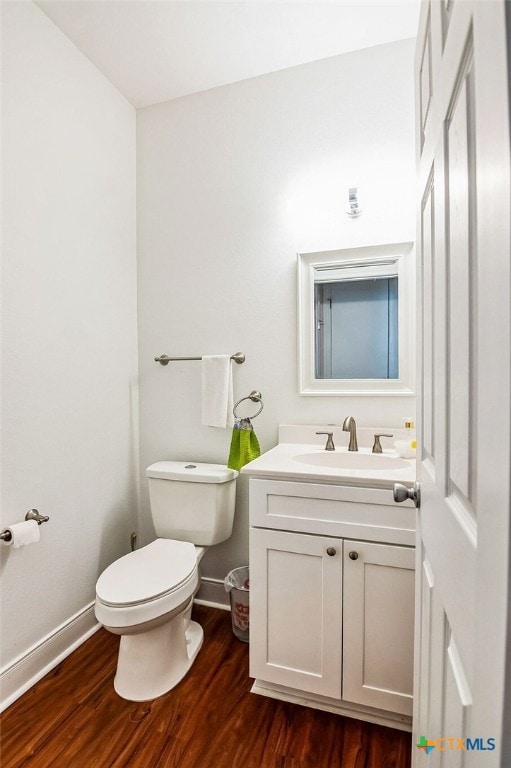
(465, 435)
(296, 635)
(428, 272)
(378, 625)
(460, 220)
(424, 81)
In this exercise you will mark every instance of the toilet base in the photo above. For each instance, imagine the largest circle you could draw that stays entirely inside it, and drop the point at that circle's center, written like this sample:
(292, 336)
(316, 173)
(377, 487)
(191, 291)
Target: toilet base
(153, 662)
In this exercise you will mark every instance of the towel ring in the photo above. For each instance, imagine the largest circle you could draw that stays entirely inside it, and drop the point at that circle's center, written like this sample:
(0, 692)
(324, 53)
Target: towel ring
(256, 397)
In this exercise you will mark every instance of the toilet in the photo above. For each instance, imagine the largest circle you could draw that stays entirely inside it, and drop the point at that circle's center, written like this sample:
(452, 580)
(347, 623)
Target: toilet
(146, 596)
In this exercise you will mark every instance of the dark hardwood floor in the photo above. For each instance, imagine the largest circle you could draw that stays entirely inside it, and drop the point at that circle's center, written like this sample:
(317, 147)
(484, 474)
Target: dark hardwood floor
(73, 718)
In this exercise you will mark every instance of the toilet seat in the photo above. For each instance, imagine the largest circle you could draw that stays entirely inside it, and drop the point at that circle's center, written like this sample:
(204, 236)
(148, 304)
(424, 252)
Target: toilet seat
(147, 583)
(147, 574)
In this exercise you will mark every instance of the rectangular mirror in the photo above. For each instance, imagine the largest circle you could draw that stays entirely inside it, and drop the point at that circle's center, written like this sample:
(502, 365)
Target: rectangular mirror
(356, 321)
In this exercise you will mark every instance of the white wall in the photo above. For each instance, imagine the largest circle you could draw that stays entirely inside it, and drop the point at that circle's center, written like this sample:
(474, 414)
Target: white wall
(232, 183)
(69, 428)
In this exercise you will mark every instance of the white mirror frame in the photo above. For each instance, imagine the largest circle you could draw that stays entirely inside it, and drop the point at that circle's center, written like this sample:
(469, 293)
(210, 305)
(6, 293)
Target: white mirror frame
(400, 253)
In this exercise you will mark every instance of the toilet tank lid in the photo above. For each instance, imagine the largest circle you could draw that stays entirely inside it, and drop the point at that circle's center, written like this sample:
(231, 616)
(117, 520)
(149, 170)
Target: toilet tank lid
(191, 472)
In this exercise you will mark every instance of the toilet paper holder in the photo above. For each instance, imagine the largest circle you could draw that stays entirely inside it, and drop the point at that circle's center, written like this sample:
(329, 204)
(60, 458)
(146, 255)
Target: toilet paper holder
(32, 514)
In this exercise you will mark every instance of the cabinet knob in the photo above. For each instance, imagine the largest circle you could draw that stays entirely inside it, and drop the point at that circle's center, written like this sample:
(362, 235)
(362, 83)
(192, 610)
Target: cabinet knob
(353, 555)
(331, 551)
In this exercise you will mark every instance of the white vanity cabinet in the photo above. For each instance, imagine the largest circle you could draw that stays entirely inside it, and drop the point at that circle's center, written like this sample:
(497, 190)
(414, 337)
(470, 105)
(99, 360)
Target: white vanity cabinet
(378, 619)
(332, 597)
(296, 610)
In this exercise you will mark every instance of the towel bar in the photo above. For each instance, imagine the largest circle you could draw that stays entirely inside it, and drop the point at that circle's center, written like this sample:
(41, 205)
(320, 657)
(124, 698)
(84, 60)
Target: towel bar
(238, 357)
(32, 514)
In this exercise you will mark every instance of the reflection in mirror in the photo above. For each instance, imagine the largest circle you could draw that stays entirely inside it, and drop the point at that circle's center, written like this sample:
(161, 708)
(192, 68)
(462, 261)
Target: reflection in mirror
(356, 320)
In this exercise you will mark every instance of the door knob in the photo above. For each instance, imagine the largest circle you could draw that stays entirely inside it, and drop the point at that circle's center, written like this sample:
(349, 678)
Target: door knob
(353, 555)
(402, 493)
(331, 551)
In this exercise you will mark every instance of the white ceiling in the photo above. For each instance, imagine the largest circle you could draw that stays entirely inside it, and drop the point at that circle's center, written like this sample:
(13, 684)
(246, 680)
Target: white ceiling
(155, 50)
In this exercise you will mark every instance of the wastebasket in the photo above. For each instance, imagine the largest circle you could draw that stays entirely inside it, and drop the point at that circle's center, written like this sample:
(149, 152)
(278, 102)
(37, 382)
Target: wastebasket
(237, 584)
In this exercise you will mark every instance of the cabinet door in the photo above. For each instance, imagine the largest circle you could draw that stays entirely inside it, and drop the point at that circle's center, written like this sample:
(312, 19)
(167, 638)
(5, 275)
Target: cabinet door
(378, 617)
(295, 610)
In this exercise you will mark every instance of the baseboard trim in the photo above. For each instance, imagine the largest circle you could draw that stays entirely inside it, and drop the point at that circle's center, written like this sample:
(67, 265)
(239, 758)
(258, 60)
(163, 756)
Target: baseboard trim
(26, 670)
(212, 593)
(210, 604)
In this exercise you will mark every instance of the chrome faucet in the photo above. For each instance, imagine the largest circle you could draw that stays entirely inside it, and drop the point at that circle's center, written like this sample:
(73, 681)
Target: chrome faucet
(350, 426)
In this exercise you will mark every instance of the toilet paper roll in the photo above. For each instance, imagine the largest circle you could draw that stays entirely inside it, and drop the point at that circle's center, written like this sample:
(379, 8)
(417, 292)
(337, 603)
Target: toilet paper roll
(23, 533)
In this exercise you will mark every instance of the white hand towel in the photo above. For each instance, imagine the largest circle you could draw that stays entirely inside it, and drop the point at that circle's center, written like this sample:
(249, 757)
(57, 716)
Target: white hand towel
(217, 398)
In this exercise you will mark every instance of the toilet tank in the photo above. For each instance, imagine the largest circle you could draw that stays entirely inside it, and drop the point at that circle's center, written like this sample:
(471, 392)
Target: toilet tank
(191, 501)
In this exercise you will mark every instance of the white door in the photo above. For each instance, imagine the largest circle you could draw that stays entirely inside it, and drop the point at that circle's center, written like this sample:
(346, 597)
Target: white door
(464, 205)
(296, 610)
(378, 610)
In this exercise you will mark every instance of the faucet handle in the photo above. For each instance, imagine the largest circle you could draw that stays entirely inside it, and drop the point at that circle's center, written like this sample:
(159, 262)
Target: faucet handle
(330, 440)
(377, 445)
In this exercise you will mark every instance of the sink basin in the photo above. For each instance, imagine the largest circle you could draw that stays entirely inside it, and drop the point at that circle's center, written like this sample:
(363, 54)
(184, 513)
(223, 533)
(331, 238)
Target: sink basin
(355, 460)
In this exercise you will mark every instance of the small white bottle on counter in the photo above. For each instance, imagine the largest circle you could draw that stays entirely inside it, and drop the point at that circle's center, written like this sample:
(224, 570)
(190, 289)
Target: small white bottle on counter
(406, 448)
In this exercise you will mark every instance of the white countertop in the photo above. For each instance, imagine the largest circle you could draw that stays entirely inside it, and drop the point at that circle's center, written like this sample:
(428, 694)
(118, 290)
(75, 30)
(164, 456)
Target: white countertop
(281, 463)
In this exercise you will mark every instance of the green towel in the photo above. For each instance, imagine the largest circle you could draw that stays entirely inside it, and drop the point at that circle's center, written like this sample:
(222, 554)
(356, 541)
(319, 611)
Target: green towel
(244, 445)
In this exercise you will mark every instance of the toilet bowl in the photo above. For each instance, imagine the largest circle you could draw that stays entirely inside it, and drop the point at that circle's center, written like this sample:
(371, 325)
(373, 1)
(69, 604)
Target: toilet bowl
(146, 596)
